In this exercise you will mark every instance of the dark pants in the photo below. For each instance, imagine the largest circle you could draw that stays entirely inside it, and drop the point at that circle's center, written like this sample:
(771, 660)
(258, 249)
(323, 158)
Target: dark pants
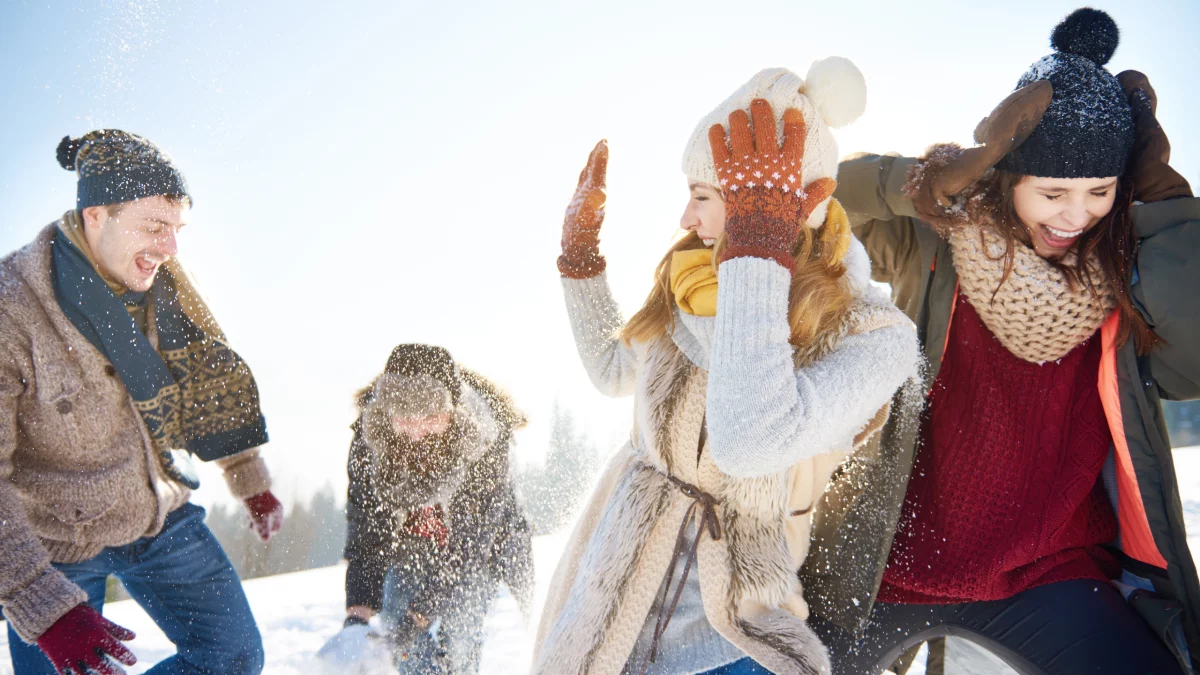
(455, 644)
(1067, 628)
(185, 582)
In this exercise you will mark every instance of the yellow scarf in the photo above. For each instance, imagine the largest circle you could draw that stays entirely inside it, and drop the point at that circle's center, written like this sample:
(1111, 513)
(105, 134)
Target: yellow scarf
(694, 281)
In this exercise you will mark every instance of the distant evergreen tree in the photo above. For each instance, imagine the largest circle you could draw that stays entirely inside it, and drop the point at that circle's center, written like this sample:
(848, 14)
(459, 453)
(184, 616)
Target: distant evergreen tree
(553, 491)
(313, 535)
(329, 523)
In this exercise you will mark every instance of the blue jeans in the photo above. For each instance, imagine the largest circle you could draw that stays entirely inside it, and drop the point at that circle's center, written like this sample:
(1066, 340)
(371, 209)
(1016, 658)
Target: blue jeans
(746, 666)
(185, 582)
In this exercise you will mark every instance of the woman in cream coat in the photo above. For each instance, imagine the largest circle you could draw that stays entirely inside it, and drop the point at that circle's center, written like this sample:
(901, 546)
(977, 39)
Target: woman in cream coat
(685, 560)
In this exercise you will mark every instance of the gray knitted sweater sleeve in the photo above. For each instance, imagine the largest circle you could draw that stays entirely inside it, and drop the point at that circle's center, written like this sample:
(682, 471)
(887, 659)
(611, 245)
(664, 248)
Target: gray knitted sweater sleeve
(595, 320)
(764, 414)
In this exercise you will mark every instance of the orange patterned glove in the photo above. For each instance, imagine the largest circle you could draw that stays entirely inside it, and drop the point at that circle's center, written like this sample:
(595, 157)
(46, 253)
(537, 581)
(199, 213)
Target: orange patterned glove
(581, 257)
(765, 202)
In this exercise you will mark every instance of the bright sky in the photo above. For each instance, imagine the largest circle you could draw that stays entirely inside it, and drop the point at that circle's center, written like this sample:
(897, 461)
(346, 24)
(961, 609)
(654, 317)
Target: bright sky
(371, 173)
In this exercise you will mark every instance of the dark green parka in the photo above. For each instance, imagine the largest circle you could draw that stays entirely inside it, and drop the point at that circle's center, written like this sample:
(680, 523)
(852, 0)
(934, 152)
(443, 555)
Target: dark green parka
(853, 528)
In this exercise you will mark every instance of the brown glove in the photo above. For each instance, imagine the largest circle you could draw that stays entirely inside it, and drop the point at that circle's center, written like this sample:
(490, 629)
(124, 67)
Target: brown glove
(581, 257)
(1153, 178)
(1005, 128)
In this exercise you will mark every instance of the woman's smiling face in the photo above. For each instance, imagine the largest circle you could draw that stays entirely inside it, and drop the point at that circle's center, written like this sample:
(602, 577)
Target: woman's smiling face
(1057, 211)
(704, 213)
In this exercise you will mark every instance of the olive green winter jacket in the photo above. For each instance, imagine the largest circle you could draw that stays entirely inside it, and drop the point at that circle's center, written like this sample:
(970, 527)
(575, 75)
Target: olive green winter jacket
(854, 527)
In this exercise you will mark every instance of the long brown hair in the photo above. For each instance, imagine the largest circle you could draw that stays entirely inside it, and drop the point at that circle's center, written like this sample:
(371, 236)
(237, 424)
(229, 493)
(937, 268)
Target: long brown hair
(817, 300)
(1112, 243)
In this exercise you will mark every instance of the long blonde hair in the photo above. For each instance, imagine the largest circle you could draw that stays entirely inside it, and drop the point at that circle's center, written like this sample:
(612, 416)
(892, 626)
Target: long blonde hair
(817, 301)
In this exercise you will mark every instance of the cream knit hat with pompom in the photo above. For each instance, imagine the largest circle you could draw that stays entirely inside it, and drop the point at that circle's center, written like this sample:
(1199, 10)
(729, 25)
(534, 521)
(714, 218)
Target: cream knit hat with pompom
(833, 95)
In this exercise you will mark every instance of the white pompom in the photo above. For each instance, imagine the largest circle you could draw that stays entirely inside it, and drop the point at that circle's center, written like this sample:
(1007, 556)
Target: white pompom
(838, 90)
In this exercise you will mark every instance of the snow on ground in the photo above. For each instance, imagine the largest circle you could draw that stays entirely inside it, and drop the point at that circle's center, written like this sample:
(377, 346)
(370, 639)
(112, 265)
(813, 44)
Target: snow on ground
(298, 612)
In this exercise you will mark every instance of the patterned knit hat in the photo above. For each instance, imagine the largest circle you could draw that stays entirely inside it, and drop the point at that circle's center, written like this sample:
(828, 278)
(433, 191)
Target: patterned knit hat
(116, 166)
(833, 95)
(1087, 132)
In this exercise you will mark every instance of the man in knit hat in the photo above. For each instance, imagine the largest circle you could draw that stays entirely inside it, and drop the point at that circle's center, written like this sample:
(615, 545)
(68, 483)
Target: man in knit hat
(114, 374)
(434, 523)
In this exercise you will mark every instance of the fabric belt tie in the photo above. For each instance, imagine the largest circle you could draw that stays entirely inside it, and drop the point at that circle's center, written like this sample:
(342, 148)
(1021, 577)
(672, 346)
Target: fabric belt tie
(707, 505)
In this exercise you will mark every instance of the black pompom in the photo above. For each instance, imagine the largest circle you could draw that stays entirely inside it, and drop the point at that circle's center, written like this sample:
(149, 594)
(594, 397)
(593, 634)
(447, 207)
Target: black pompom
(68, 150)
(1089, 33)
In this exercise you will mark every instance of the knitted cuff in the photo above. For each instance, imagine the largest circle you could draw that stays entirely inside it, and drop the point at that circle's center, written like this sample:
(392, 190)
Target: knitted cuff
(246, 474)
(762, 224)
(918, 186)
(32, 611)
(581, 265)
(785, 260)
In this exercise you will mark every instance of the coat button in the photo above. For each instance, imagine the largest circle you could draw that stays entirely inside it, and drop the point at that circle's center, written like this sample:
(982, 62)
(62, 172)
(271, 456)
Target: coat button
(110, 371)
(63, 406)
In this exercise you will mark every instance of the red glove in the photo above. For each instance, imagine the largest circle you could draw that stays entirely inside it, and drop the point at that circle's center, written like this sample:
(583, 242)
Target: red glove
(82, 640)
(765, 202)
(428, 522)
(266, 514)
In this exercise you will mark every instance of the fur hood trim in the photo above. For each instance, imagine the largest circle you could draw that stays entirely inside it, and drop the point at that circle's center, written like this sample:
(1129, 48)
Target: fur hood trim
(431, 472)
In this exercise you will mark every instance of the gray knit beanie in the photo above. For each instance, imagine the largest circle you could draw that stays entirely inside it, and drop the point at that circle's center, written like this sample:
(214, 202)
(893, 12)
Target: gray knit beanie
(1087, 132)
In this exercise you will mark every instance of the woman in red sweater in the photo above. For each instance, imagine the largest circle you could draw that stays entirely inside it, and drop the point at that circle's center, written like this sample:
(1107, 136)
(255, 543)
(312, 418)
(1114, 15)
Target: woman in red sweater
(1041, 518)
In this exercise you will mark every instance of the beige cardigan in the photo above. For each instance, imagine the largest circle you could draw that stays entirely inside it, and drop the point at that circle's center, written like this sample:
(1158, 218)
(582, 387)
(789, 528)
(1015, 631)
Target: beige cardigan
(78, 470)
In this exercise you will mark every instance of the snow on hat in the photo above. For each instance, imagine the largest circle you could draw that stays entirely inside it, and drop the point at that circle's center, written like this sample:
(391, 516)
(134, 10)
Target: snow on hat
(115, 166)
(413, 360)
(1087, 132)
(833, 95)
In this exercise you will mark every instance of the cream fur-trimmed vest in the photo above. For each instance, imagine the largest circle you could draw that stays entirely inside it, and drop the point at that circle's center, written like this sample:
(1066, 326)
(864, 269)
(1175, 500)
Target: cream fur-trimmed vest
(618, 555)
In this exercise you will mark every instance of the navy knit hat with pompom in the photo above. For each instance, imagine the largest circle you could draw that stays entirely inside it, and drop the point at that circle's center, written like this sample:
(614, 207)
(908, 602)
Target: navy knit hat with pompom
(116, 166)
(1087, 132)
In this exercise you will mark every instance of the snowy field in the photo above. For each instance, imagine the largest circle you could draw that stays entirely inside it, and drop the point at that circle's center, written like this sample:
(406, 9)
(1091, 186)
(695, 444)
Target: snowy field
(298, 612)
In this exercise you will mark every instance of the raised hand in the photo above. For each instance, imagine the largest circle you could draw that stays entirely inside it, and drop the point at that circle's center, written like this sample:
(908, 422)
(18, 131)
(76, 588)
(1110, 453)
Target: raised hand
(766, 203)
(581, 257)
(82, 641)
(1149, 170)
(1007, 127)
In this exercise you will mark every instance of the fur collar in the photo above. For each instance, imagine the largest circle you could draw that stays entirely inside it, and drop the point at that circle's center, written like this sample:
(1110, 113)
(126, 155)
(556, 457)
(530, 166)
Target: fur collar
(431, 471)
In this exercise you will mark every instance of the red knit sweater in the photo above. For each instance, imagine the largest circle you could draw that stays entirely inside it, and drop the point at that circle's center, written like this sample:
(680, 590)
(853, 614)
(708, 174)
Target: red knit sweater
(1004, 494)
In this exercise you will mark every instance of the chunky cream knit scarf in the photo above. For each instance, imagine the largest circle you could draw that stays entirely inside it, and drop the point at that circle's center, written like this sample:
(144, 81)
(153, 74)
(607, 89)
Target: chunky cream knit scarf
(1035, 314)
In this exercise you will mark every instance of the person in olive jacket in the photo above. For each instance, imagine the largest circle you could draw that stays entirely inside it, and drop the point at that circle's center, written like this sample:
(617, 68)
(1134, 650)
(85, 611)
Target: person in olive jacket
(1051, 271)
